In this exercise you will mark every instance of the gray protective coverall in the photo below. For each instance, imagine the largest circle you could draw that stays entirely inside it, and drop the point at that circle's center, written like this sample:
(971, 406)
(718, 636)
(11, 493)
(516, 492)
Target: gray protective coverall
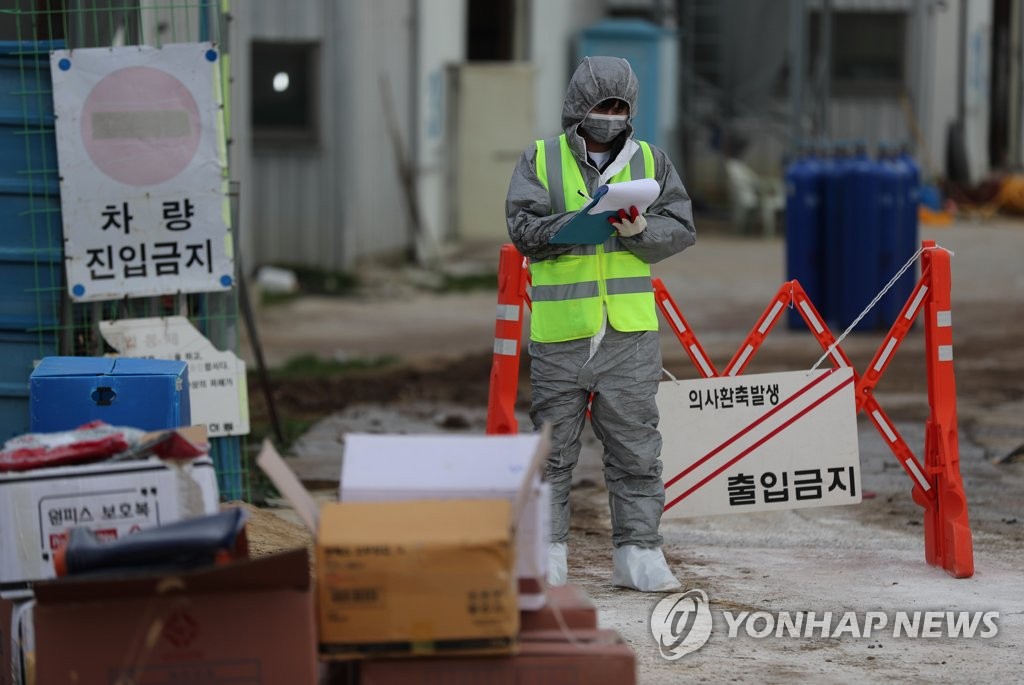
(624, 369)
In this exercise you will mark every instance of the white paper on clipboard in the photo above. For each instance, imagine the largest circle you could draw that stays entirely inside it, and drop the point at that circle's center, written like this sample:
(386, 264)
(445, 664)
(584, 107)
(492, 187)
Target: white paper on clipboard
(640, 194)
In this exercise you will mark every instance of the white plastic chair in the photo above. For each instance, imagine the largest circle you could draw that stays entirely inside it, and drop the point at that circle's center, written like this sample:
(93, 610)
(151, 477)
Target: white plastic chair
(752, 197)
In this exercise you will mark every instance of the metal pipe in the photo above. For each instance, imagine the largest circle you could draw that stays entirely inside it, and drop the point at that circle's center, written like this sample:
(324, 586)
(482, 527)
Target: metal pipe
(826, 68)
(797, 30)
(1013, 116)
(961, 76)
(917, 59)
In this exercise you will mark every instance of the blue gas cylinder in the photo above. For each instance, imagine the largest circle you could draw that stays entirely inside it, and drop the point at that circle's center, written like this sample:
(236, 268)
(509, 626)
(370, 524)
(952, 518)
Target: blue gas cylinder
(857, 271)
(894, 177)
(803, 227)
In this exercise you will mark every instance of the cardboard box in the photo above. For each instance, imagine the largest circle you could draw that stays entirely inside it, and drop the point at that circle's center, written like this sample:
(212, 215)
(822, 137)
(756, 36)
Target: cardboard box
(38, 507)
(150, 394)
(597, 657)
(247, 622)
(567, 607)
(381, 468)
(418, 576)
(410, 577)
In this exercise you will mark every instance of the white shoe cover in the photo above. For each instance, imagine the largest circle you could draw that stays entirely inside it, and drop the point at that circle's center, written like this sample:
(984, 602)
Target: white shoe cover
(557, 564)
(643, 569)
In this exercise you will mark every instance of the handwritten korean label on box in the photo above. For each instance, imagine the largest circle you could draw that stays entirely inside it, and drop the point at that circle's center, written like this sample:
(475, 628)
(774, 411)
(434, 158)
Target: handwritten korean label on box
(218, 393)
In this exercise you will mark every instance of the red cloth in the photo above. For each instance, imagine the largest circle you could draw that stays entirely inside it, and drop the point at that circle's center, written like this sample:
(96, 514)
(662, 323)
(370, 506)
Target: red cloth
(90, 442)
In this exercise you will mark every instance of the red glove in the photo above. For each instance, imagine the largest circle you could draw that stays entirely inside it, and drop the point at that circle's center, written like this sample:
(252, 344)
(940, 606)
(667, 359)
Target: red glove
(628, 225)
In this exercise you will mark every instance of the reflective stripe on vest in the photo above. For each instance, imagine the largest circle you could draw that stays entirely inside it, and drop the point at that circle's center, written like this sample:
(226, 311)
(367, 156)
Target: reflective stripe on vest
(568, 291)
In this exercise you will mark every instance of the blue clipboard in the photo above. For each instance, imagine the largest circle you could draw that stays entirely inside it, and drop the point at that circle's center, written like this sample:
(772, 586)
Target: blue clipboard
(585, 228)
(590, 226)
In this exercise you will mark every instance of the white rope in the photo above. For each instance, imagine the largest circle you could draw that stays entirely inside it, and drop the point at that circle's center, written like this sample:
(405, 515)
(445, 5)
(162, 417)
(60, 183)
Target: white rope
(669, 374)
(873, 302)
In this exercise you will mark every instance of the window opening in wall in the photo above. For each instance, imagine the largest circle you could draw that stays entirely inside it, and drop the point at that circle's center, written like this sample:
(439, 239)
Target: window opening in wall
(490, 28)
(284, 93)
(868, 52)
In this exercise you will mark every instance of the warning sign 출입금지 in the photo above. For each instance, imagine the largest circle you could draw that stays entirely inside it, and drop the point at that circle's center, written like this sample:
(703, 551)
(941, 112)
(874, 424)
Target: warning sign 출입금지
(759, 442)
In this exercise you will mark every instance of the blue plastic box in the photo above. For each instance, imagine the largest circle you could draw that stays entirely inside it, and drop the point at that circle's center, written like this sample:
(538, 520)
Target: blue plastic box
(151, 394)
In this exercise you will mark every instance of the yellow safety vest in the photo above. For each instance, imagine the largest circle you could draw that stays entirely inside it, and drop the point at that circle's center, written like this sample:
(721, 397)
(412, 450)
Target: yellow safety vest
(568, 291)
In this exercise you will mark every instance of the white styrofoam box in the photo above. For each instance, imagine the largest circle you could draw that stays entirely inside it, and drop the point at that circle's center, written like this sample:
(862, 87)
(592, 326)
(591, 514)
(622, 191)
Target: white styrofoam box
(405, 467)
(532, 545)
(400, 467)
(37, 508)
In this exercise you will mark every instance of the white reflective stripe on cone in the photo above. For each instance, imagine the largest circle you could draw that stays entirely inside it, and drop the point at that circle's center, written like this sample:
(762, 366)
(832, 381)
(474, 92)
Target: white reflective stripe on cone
(505, 346)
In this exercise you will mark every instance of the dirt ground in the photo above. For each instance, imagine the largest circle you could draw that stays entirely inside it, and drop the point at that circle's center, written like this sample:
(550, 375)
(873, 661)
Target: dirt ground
(867, 557)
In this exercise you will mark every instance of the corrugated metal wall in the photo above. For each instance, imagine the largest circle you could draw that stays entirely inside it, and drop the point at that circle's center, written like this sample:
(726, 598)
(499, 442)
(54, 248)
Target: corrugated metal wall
(764, 124)
(880, 118)
(872, 120)
(331, 204)
(379, 41)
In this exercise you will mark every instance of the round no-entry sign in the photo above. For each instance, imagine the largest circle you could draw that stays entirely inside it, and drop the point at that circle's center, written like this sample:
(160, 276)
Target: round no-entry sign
(140, 126)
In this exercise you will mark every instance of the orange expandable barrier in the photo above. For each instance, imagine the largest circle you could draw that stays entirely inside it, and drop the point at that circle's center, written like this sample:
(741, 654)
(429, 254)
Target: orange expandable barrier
(937, 485)
(947, 532)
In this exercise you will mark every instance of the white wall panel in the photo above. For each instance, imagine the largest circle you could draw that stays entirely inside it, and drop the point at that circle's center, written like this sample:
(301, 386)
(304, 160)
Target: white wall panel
(375, 215)
(440, 43)
(554, 25)
(493, 110)
(977, 87)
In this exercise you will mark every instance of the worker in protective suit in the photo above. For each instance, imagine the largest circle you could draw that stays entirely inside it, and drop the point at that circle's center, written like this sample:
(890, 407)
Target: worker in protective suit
(594, 325)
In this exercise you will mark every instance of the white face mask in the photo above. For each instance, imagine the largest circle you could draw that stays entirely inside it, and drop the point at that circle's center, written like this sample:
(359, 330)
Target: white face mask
(605, 127)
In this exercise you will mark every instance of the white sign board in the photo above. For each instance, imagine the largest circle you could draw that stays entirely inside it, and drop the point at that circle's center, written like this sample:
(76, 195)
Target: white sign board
(759, 443)
(142, 156)
(218, 393)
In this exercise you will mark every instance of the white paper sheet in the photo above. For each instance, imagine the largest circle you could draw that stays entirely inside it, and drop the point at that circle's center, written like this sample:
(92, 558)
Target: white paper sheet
(640, 194)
